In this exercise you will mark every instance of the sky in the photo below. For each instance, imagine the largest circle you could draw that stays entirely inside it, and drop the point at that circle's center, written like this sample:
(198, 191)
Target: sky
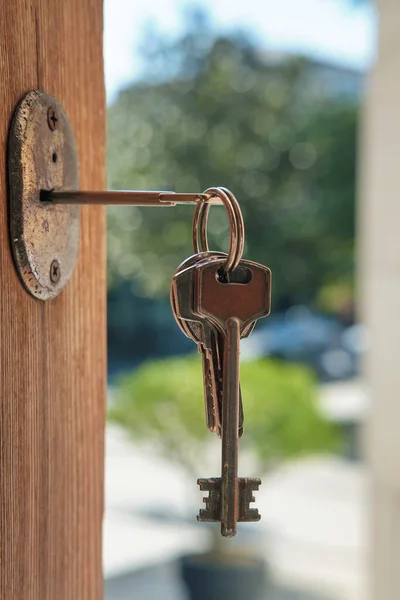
(339, 31)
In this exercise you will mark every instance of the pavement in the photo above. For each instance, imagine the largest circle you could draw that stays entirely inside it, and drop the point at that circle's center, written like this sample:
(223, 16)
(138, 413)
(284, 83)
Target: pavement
(312, 533)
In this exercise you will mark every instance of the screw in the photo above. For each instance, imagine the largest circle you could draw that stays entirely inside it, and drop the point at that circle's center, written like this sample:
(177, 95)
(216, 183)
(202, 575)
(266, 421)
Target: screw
(55, 271)
(52, 118)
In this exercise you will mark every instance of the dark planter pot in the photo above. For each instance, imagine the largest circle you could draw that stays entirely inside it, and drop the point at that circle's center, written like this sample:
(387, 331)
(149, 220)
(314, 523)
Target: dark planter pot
(209, 579)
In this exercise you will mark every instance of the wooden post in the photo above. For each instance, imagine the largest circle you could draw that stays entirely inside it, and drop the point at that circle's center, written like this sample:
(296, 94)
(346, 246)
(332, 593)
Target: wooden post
(53, 354)
(379, 262)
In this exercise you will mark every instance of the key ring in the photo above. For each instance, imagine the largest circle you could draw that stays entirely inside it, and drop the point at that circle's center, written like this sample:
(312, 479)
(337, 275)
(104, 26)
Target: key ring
(234, 205)
(236, 224)
(235, 221)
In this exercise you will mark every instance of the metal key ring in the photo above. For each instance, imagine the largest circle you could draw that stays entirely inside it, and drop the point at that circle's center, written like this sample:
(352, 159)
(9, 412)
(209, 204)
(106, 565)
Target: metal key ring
(235, 221)
(234, 204)
(236, 226)
(200, 244)
(200, 222)
(240, 224)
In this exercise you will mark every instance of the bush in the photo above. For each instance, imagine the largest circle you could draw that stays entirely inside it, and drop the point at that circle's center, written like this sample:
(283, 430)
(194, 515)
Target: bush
(162, 402)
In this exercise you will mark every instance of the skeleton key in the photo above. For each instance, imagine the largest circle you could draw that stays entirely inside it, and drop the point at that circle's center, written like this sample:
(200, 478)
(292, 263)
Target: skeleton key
(207, 341)
(231, 306)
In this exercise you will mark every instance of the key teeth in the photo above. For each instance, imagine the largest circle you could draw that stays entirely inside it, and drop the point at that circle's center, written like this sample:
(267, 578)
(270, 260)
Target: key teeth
(212, 512)
(208, 485)
(247, 486)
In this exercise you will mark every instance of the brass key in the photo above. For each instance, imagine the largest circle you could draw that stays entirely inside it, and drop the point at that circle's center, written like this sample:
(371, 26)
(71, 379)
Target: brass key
(231, 306)
(205, 334)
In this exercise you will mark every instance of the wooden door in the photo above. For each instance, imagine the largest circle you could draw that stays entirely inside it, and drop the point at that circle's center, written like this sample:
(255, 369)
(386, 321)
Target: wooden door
(53, 354)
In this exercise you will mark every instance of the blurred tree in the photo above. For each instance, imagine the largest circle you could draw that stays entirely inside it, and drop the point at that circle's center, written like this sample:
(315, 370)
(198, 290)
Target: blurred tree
(162, 402)
(213, 110)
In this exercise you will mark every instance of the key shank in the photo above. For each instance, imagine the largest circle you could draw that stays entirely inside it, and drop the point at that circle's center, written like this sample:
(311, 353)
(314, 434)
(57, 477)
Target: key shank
(230, 425)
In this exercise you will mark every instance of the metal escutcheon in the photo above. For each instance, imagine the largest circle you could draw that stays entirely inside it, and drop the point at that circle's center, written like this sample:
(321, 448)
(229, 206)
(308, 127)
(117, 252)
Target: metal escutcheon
(42, 156)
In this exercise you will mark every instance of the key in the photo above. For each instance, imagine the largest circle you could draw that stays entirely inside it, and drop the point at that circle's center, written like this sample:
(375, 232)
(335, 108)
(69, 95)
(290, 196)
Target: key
(232, 306)
(182, 302)
(207, 338)
(207, 341)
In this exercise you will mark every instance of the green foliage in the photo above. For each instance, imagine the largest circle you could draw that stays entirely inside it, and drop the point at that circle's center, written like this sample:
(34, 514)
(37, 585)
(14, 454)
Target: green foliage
(163, 402)
(282, 417)
(213, 111)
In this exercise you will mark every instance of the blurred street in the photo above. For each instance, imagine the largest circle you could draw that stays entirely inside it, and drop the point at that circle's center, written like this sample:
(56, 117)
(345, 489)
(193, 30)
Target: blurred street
(311, 533)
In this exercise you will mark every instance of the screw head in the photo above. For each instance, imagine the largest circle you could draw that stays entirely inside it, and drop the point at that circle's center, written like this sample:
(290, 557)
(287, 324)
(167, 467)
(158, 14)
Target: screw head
(52, 118)
(55, 271)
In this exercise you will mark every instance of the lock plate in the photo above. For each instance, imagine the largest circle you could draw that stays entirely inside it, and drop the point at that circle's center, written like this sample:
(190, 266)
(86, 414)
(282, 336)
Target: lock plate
(42, 157)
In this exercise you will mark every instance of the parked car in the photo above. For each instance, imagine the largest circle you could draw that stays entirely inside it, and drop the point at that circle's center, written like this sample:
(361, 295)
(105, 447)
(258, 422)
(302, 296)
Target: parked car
(306, 336)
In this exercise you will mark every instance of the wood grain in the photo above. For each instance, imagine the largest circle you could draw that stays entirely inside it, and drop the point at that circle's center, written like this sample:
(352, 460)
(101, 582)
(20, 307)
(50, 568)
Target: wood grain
(53, 355)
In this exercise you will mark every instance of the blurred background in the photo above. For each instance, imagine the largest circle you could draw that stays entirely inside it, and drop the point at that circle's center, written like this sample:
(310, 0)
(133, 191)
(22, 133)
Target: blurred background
(268, 99)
